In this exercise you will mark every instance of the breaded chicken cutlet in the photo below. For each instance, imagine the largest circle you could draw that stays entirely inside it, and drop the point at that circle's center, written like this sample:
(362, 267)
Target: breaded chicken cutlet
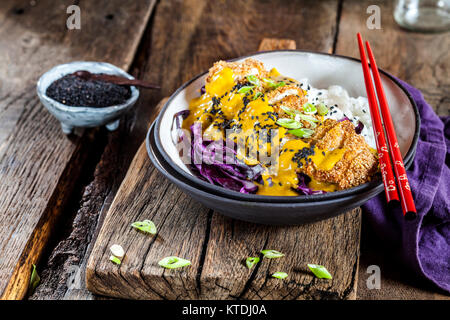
(357, 164)
(289, 96)
(240, 70)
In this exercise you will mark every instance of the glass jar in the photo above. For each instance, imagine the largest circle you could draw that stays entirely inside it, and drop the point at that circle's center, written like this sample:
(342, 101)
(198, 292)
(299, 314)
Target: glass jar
(423, 15)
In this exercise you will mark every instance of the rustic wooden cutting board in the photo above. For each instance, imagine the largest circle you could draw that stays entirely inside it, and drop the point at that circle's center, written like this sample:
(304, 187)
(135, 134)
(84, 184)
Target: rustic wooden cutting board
(216, 246)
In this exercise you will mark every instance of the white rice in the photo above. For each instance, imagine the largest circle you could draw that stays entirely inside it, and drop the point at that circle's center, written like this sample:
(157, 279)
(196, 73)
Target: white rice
(341, 105)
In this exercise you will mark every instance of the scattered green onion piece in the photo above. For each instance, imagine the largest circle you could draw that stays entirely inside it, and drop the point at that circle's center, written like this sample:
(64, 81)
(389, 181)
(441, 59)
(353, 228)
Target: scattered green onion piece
(174, 262)
(245, 89)
(320, 271)
(288, 111)
(280, 275)
(146, 226)
(289, 123)
(34, 280)
(253, 80)
(257, 95)
(269, 82)
(251, 261)
(322, 109)
(274, 85)
(115, 260)
(302, 132)
(307, 117)
(310, 119)
(272, 254)
(279, 84)
(309, 108)
(117, 251)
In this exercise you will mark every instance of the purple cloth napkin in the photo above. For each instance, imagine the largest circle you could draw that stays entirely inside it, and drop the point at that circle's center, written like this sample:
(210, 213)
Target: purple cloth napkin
(424, 243)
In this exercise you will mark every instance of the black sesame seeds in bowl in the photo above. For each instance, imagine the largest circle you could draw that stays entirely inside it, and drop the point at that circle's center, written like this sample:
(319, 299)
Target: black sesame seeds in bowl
(73, 90)
(85, 103)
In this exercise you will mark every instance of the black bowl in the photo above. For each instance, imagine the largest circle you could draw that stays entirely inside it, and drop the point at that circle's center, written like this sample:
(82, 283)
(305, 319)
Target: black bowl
(264, 212)
(373, 187)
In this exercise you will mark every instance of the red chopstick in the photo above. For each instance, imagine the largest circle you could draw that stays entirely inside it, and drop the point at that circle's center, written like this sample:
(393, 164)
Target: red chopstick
(406, 198)
(383, 154)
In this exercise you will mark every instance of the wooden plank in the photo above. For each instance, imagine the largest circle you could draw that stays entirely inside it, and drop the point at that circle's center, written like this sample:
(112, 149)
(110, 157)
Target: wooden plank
(35, 157)
(187, 229)
(333, 243)
(423, 60)
(277, 44)
(221, 275)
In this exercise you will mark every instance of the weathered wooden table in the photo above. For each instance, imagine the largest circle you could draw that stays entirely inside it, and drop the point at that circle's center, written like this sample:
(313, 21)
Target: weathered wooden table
(55, 190)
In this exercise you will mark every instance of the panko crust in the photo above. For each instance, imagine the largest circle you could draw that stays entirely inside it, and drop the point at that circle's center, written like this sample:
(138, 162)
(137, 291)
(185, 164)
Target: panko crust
(356, 166)
(240, 69)
(289, 96)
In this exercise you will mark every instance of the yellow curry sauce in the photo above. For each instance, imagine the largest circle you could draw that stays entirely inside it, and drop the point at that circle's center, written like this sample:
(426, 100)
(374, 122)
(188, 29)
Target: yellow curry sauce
(223, 107)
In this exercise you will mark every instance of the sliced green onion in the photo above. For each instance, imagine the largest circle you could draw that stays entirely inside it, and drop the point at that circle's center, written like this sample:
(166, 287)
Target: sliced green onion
(115, 260)
(320, 271)
(309, 108)
(280, 275)
(280, 84)
(289, 111)
(322, 109)
(253, 80)
(34, 280)
(146, 226)
(251, 261)
(245, 89)
(302, 132)
(289, 123)
(257, 95)
(174, 262)
(310, 119)
(269, 82)
(274, 85)
(117, 251)
(272, 254)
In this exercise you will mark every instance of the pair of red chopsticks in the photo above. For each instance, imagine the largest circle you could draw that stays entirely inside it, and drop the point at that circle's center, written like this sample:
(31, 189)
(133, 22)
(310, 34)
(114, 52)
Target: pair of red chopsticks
(404, 189)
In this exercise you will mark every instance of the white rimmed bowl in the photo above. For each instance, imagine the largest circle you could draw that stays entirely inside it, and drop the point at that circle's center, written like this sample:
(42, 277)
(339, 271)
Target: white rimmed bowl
(80, 116)
(322, 70)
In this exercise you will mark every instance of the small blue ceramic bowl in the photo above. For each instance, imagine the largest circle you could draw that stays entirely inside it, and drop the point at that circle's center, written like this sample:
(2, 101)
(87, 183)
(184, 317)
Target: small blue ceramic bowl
(80, 116)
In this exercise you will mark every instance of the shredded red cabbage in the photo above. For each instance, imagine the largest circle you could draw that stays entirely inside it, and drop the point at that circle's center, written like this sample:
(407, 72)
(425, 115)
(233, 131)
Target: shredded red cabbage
(179, 117)
(178, 122)
(359, 128)
(303, 188)
(216, 163)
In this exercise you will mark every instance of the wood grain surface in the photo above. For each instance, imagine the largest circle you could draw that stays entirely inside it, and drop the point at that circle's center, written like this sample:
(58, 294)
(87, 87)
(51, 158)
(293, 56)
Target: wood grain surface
(226, 29)
(216, 246)
(38, 162)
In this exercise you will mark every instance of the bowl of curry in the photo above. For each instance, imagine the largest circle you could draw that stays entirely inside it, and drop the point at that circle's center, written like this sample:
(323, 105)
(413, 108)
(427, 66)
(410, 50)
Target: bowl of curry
(283, 126)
